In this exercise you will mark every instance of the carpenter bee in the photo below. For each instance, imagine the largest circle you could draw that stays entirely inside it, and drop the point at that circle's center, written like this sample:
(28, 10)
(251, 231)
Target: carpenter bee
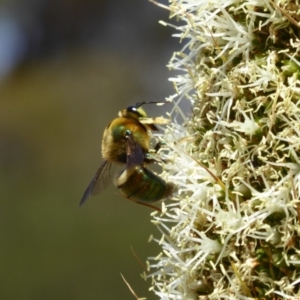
(126, 140)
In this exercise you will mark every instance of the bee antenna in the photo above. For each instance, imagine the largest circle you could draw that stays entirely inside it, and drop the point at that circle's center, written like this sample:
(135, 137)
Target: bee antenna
(139, 104)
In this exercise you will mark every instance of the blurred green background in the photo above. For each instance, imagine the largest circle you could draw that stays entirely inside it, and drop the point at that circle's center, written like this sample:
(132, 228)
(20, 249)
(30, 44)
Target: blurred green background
(66, 68)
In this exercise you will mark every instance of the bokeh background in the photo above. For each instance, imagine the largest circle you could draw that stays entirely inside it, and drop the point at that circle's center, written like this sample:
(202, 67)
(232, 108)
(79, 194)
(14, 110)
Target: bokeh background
(66, 68)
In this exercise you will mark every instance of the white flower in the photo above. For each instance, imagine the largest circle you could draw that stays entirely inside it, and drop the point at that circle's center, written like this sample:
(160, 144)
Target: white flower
(232, 230)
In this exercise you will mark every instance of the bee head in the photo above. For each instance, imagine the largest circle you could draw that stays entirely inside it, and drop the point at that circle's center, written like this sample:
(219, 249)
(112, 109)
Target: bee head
(136, 112)
(133, 112)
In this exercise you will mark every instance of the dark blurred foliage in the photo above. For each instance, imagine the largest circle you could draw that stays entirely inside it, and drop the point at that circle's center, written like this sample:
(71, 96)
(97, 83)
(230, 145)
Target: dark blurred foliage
(66, 68)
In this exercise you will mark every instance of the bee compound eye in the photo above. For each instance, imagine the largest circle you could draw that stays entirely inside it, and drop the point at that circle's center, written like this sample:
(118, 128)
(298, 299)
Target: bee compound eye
(131, 109)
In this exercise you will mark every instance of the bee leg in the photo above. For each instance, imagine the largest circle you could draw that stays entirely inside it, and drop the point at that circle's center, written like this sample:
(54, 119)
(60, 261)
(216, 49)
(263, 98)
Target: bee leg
(150, 158)
(144, 203)
(159, 145)
(149, 205)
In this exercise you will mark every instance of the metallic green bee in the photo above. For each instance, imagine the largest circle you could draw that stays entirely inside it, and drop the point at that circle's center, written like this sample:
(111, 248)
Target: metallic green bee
(126, 140)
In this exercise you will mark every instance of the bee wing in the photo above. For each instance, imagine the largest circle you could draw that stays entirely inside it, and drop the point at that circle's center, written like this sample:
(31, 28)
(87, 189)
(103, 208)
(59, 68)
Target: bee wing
(134, 153)
(100, 182)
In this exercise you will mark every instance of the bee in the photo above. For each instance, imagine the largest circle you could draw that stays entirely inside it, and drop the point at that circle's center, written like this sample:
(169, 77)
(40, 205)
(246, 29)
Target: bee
(126, 140)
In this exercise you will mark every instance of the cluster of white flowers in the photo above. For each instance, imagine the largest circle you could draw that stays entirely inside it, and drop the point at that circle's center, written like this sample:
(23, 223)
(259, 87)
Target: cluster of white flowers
(232, 230)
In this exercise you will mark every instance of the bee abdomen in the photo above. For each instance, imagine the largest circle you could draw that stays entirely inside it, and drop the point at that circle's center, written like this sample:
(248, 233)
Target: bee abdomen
(142, 185)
